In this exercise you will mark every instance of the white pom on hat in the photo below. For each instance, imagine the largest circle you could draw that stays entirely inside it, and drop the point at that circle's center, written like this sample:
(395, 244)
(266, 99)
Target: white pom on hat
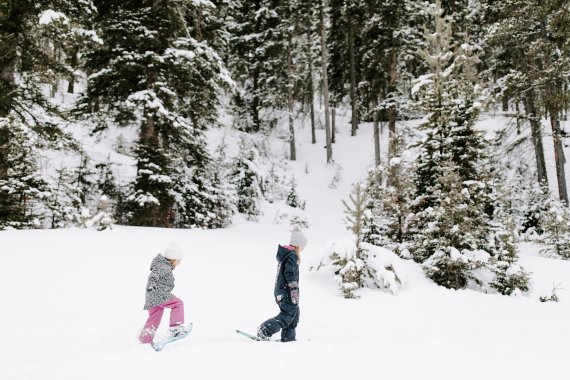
(173, 252)
(298, 238)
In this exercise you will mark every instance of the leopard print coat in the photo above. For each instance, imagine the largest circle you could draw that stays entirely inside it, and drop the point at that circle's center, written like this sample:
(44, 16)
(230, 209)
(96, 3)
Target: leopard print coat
(160, 282)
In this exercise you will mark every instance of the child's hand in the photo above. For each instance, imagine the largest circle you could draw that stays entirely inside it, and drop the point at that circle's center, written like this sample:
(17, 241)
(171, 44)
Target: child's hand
(295, 296)
(294, 292)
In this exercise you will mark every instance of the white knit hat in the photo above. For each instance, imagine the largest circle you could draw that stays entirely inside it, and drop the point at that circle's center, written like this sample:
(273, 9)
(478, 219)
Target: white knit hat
(298, 238)
(173, 252)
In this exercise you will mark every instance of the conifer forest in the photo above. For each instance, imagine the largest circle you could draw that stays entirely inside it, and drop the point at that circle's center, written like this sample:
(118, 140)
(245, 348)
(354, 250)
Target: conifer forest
(432, 133)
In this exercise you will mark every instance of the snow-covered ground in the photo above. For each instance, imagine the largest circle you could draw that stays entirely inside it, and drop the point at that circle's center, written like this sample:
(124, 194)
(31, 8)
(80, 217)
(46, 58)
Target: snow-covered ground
(71, 303)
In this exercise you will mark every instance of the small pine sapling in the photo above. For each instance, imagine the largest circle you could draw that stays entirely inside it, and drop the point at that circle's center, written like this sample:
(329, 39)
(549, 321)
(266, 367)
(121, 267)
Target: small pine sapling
(510, 277)
(553, 296)
(293, 199)
(555, 224)
(354, 214)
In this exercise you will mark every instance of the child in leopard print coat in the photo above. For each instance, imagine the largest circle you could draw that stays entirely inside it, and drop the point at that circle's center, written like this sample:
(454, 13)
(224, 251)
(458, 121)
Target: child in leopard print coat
(159, 297)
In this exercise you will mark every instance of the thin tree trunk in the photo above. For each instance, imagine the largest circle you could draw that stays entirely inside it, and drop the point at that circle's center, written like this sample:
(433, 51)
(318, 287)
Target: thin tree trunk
(325, 83)
(290, 102)
(333, 124)
(392, 115)
(559, 157)
(8, 64)
(73, 64)
(311, 90)
(377, 160)
(536, 132)
(354, 116)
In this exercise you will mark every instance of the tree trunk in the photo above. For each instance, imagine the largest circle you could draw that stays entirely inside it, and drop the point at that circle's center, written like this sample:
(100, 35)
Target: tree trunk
(559, 157)
(73, 64)
(311, 90)
(392, 115)
(333, 124)
(325, 83)
(354, 116)
(376, 137)
(8, 59)
(530, 108)
(290, 102)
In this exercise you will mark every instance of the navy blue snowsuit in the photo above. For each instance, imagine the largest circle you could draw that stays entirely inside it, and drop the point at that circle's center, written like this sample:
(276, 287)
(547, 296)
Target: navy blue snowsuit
(287, 297)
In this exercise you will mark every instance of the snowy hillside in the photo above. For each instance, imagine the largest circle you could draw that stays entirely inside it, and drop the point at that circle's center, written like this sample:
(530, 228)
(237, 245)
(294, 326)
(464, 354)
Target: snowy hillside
(72, 301)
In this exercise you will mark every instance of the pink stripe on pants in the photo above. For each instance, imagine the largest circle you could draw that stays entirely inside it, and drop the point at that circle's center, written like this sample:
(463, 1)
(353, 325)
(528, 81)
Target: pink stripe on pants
(155, 315)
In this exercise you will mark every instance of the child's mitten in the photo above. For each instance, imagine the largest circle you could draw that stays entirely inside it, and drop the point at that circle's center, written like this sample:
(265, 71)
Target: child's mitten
(294, 292)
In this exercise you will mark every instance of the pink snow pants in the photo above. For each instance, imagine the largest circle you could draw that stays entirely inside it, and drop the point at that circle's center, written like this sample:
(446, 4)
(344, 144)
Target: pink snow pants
(155, 315)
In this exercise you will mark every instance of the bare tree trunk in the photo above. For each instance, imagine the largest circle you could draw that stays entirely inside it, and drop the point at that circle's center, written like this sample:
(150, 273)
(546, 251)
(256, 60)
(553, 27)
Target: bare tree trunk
(354, 116)
(9, 58)
(392, 115)
(311, 90)
(559, 157)
(325, 83)
(73, 64)
(7, 78)
(290, 102)
(536, 131)
(333, 124)
(377, 160)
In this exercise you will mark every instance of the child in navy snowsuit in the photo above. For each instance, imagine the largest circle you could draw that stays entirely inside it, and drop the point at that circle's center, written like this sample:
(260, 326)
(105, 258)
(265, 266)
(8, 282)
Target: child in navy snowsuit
(286, 290)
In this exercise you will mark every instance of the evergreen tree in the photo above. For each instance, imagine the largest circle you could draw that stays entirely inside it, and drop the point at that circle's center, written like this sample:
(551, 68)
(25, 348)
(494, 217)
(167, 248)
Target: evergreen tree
(555, 222)
(510, 278)
(157, 71)
(344, 41)
(354, 215)
(387, 214)
(293, 199)
(256, 61)
(29, 33)
(451, 220)
(65, 203)
(21, 183)
(531, 50)
(246, 179)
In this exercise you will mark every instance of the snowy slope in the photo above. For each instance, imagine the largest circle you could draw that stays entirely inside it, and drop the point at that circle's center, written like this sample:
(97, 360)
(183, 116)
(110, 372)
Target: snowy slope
(72, 303)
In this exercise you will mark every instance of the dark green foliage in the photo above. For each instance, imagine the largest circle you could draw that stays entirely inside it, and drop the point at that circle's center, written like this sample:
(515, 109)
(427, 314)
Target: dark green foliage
(552, 297)
(293, 199)
(257, 62)
(21, 185)
(448, 268)
(386, 220)
(246, 179)
(555, 224)
(151, 202)
(30, 35)
(157, 70)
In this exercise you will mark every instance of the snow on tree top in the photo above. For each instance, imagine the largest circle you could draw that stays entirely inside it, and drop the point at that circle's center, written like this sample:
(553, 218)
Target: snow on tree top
(49, 16)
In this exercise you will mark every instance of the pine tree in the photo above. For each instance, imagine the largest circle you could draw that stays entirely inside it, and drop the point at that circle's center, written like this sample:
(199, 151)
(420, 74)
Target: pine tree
(293, 199)
(65, 202)
(21, 183)
(354, 215)
(555, 222)
(246, 178)
(29, 121)
(387, 214)
(344, 40)
(449, 221)
(157, 71)
(510, 278)
(530, 46)
(257, 63)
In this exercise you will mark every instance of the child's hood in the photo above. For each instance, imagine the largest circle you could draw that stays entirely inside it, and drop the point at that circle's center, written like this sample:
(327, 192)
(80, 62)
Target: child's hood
(283, 252)
(160, 260)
